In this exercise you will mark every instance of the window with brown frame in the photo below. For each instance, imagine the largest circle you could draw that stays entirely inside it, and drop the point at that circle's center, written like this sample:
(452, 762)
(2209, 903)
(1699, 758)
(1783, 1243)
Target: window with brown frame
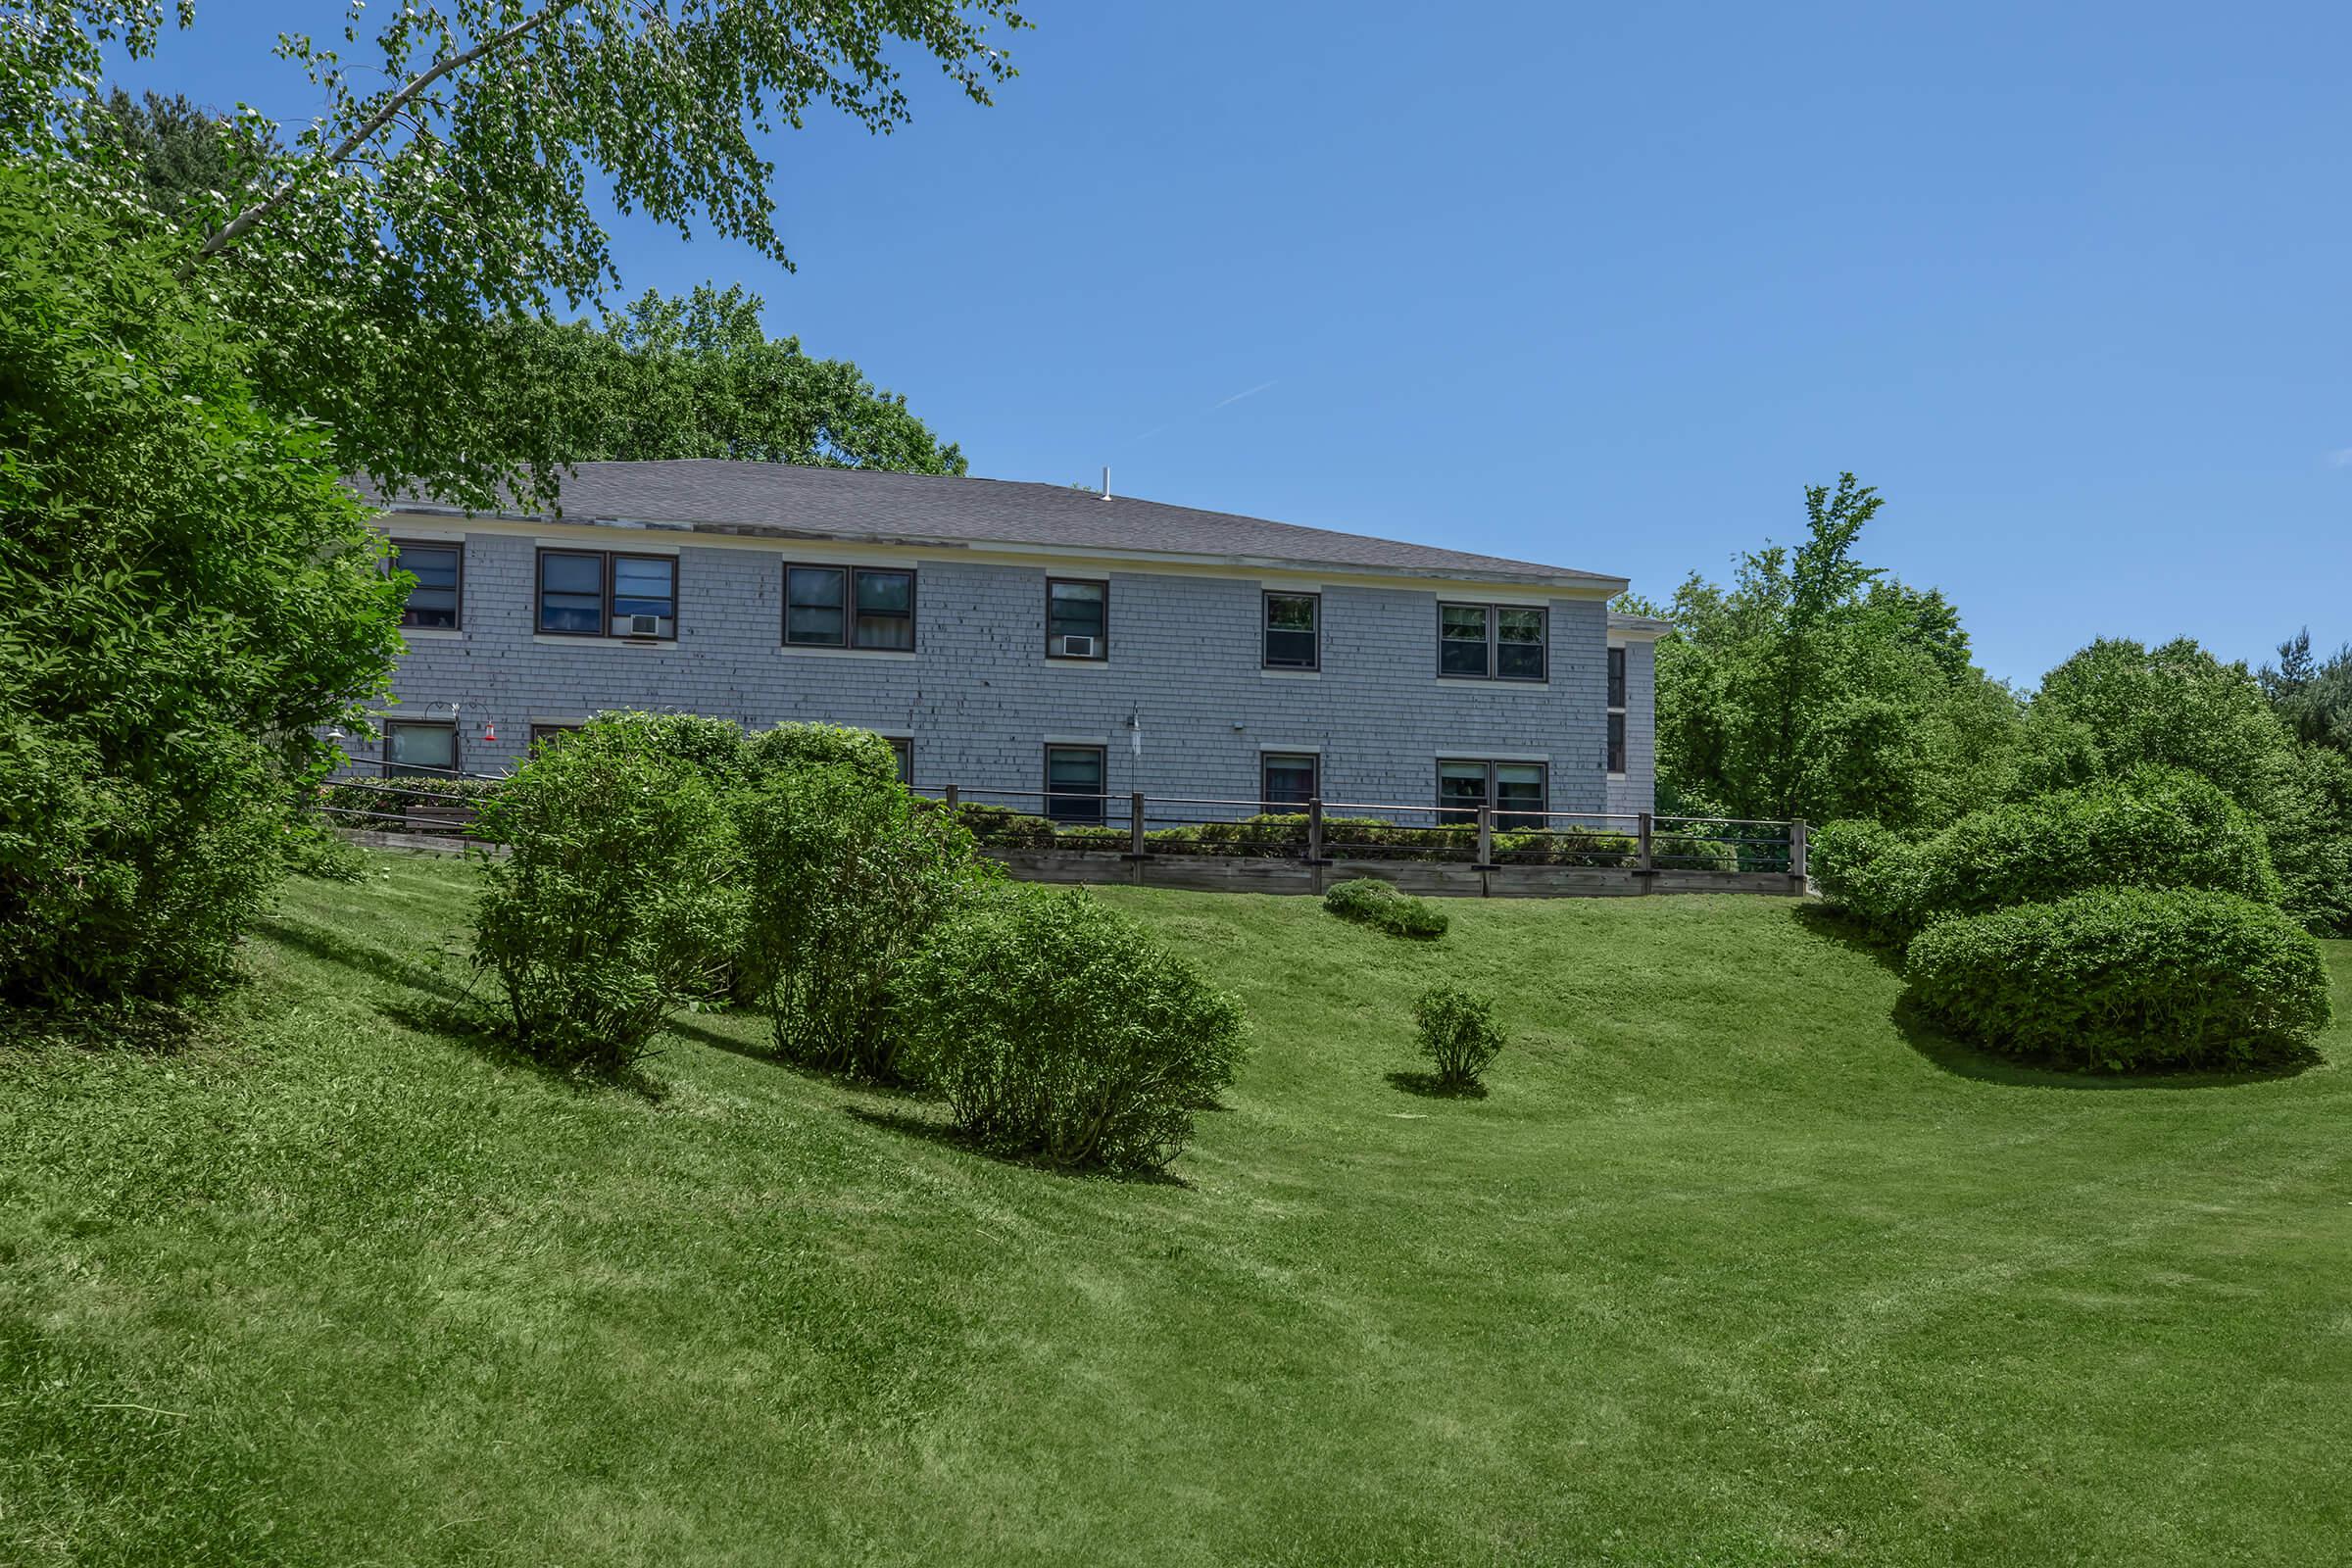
(1293, 631)
(1494, 642)
(1289, 778)
(903, 747)
(1077, 619)
(420, 746)
(543, 735)
(1517, 791)
(1074, 784)
(436, 597)
(869, 607)
(606, 593)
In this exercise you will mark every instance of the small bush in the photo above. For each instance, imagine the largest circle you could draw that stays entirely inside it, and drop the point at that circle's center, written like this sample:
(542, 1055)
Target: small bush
(1567, 847)
(1368, 900)
(846, 877)
(1457, 1033)
(2119, 979)
(1000, 827)
(2157, 828)
(1057, 1028)
(796, 745)
(1693, 852)
(1093, 837)
(616, 907)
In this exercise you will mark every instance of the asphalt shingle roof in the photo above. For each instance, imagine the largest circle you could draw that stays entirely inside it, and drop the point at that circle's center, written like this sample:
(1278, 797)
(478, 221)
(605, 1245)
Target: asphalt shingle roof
(787, 501)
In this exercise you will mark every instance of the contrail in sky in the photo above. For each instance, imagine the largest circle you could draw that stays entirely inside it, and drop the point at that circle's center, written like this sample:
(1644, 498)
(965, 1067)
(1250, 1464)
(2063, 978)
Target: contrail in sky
(1211, 409)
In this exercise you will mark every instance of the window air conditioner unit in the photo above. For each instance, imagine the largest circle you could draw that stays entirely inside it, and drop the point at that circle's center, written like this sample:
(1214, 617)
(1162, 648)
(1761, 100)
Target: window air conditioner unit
(645, 625)
(1074, 647)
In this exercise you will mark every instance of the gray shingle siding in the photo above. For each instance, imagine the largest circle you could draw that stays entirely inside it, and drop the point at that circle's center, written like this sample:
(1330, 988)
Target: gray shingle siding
(980, 700)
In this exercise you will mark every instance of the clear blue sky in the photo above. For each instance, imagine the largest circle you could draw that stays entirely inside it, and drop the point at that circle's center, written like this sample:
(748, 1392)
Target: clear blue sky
(1606, 286)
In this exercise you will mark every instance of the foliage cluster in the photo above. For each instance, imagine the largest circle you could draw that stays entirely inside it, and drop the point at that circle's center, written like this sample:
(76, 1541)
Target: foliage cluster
(2121, 979)
(1368, 900)
(659, 860)
(1056, 1028)
(185, 592)
(1820, 688)
(1456, 1031)
(846, 878)
(2156, 827)
(395, 262)
(620, 900)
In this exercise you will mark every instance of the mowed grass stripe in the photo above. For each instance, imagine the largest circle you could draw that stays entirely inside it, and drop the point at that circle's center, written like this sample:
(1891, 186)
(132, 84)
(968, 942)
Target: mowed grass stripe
(1734, 1265)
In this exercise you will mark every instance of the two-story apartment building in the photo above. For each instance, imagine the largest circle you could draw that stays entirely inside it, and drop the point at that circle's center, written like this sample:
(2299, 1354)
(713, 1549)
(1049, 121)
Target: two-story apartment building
(1021, 638)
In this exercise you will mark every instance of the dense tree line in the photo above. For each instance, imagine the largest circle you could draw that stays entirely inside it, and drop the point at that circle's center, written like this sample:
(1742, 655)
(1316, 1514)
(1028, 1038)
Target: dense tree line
(1816, 686)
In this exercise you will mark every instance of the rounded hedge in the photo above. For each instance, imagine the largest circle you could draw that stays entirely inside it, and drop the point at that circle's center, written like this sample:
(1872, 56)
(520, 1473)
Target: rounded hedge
(2155, 828)
(2120, 979)
(1056, 1027)
(790, 745)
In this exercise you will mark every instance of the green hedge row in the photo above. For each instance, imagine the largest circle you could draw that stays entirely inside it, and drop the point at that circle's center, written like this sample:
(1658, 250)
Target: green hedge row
(1284, 835)
(2118, 979)
(2157, 828)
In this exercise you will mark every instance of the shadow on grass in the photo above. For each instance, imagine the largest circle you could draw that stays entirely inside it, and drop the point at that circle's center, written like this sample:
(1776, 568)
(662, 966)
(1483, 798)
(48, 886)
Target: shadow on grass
(140, 1029)
(332, 947)
(429, 1003)
(1964, 1060)
(768, 1057)
(931, 1130)
(1832, 924)
(1431, 1087)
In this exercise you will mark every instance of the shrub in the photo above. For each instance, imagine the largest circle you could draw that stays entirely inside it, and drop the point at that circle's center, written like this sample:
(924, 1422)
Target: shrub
(2158, 828)
(188, 593)
(1693, 852)
(845, 875)
(1368, 900)
(617, 904)
(1056, 1027)
(1568, 847)
(2127, 978)
(715, 748)
(1000, 827)
(1457, 1033)
(794, 745)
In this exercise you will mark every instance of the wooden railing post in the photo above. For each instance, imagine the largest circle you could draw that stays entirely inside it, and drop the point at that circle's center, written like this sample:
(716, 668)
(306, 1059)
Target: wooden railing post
(1486, 834)
(1135, 824)
(1796, 850)
(950, 801)
(1314, 831)
(1644, 865)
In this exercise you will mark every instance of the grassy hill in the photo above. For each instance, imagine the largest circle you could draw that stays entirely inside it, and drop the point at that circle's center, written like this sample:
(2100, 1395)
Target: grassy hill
(1731, 1267)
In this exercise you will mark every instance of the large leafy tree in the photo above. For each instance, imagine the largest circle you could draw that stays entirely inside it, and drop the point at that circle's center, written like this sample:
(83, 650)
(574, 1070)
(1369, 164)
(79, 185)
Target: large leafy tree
(381, 257)
(186, 592)
(697, 377)
(692, 378)
(1819, 687)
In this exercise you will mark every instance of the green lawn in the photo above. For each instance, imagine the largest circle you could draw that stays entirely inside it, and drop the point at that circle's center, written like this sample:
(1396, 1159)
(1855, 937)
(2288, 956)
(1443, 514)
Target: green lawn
(1729, 1268)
